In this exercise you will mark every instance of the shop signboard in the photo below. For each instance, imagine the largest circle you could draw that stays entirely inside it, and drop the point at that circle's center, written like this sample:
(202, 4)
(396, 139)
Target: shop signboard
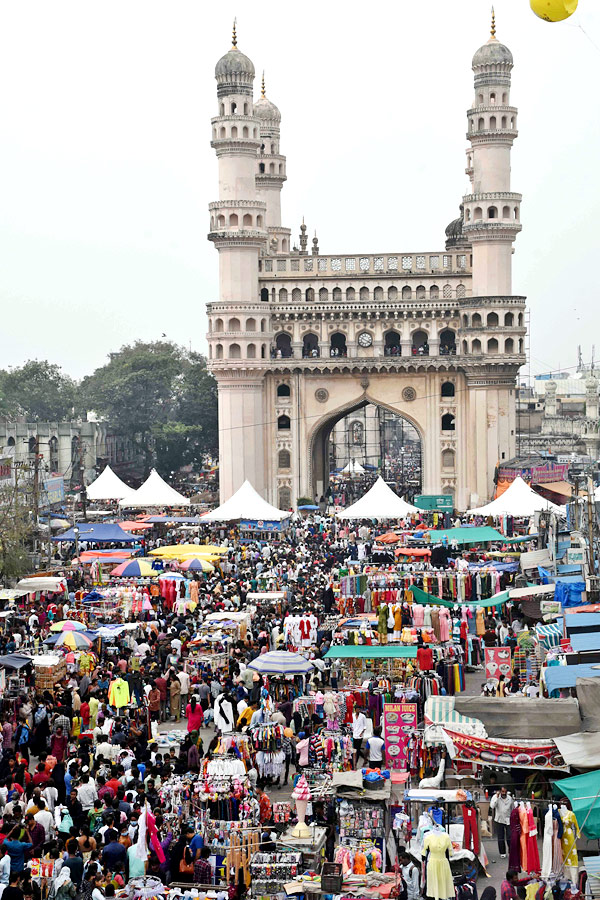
(443, 502)
(399, 723)
(575, 556)
(53, 491)
(522, 755)
(260, 525)
(498, 661)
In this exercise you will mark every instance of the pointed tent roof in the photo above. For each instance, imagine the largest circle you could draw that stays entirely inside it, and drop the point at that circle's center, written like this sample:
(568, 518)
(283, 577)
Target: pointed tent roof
(107, 486)
(354, 467)
(154, 492)
(380, 502)
(518, 500)
(246, 503)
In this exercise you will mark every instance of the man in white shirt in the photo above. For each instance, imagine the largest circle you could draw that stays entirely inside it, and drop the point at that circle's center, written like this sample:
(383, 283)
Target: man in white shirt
(86, 792)
(44, 817)
(375, 747)
(184, 680)
(4, 869)
(410, 874)
(359, 727)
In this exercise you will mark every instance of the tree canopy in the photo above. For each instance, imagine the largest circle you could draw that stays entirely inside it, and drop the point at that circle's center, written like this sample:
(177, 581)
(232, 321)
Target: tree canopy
(161, 396)
(39, 391)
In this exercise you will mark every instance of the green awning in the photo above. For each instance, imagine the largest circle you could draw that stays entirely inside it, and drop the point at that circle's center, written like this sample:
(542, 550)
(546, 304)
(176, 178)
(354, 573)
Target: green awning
(423, 598)
(520, 538)
(464, 535)
(366, 651)
(584, 793)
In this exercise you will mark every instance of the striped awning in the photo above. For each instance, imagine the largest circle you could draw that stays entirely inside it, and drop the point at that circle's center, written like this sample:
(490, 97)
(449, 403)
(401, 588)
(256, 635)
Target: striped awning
(550, 635)
(440, 712)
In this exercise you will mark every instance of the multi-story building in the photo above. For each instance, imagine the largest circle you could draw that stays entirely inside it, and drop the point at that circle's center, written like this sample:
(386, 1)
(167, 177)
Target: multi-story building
(300, 339)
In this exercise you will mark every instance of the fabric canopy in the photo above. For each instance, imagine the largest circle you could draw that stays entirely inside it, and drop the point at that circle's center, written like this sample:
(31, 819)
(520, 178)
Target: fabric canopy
(584, 793)
(280, 662)
(374, 651)
(380, 502)
(466, 535)
(246, 503)
(557, 677)
(422, 597)
(588, 695)
(440, 711)
(518, 500)
(98, 533)
(15, 661)
(353, 467)
(580, 750)
(154, 492)
(550, 635)
(583, 643)
(521, 718)
(107, 486)
(42, 583)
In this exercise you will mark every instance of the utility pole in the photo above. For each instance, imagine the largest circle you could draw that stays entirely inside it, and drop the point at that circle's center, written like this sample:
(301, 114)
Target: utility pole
(36, 481)
(591, 508)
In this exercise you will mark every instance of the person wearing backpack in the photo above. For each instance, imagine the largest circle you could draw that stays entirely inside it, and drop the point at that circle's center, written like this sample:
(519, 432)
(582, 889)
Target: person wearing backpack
(411, 876)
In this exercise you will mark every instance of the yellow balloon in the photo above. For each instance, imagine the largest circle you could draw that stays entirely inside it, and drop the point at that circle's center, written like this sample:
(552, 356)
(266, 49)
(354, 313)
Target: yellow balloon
(553, 10)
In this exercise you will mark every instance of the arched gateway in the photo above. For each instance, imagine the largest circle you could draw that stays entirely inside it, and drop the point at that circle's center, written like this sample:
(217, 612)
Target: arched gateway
(300, 339)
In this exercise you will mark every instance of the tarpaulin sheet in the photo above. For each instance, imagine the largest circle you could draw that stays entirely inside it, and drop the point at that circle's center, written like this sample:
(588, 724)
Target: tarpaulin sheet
(582, 622)
(582, 643)
(580, 750)
(535, 558)
(516, 754)
(588, 694)
(466, 535)
(420, 596)
(584, 793)
(569, 592)
(522, 718)
(557, 677)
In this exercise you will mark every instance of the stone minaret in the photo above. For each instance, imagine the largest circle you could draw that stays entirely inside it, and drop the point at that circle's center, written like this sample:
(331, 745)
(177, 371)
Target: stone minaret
(238, 322)
(492, 211)
(270, 171)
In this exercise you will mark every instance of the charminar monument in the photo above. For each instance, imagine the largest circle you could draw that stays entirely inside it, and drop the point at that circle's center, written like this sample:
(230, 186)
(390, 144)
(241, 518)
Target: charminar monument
(300, 339)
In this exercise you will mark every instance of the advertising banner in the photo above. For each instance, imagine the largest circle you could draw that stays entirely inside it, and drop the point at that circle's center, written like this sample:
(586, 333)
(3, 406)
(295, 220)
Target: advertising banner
(523, 755)
(498, 661)
(399, 723)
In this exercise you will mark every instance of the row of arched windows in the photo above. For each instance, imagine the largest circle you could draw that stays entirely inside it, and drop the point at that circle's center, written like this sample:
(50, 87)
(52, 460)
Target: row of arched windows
(493, 346)
(233, 133)
(233, 221)
(273, 169)
(233, 109)
(234, 324)
(492, 99)
(492, 123)
(492, 320)
(235, 351)
(492, 212)
(284, 458)
(365, 295)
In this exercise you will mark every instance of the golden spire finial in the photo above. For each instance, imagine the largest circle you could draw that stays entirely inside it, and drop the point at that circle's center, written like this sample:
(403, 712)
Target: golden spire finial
(234, 35)
(493, 29)
(262, 89)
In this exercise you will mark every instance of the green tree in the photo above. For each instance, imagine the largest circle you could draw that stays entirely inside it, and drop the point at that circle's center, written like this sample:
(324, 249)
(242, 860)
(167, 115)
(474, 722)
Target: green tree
(162, 397)
(15, 530)
(39, 391)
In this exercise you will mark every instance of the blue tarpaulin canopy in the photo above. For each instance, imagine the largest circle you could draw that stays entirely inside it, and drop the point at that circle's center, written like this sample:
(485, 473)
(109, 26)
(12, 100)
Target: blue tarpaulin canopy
(582, 643)
(582, 622)
(15, 661)
(566, 676)
(466, 535)
(100, 533)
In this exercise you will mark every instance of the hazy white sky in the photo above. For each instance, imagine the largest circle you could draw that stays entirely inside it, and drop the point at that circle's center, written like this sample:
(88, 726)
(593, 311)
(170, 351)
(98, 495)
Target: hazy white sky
(106, 168)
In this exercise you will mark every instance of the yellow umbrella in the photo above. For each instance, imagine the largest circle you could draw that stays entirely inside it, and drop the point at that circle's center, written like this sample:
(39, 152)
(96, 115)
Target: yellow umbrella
(553, 10)
(174, 551)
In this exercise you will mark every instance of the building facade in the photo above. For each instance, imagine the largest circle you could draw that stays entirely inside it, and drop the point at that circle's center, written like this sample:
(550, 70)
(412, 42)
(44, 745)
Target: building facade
(300, 339)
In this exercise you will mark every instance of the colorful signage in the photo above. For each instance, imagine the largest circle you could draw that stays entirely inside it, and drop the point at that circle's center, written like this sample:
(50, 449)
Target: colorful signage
(498, 661)
(399, 724)
(524, 755)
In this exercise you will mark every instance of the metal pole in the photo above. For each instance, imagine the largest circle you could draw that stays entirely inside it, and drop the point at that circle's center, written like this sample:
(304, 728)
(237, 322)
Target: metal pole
(591, 512)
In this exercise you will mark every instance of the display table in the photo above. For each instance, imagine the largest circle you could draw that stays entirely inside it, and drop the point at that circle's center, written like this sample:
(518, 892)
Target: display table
(310, 847)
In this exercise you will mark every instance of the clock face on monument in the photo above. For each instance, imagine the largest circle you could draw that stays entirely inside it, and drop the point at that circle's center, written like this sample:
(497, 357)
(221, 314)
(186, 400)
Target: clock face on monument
(365, 339)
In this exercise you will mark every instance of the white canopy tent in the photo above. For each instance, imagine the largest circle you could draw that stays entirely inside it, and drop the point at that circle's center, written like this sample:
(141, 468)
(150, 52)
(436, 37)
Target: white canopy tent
(380, 502)
(154, 492)
(107, 486)
(518, 500)
(353, 468)
(246, 503)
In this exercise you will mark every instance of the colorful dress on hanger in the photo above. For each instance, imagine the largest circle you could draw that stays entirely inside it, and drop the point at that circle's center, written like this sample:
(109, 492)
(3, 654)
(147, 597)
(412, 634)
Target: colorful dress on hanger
(533, 856)
(514, 852)
(569, 838)
(524, 822)
(440, 884)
